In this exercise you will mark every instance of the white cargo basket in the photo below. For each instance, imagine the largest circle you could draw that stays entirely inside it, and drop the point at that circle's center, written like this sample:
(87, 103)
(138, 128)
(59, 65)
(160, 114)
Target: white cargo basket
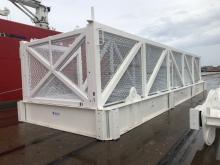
(101, 82)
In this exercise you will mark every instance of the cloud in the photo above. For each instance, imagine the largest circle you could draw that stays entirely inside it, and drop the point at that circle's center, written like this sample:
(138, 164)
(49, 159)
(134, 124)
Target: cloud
(186, 28)
(210, 54)
(185, 24)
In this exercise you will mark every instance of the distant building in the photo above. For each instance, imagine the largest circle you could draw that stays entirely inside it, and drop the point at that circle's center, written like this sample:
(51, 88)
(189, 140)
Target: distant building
(210, 69)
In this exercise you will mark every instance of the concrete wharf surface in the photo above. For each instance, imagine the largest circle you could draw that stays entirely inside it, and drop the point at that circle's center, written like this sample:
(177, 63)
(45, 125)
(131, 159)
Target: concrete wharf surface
(165, 139)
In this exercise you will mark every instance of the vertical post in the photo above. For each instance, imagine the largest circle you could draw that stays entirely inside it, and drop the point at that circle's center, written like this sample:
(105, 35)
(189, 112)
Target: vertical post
(50, 51)
(101, 125)
(199, 66)
(79, 69)
(171, 73)
(144, 69)
(24, 70)
(183, 69)
(168, 71)
(193, 76)
(92, 14)
(93, 65)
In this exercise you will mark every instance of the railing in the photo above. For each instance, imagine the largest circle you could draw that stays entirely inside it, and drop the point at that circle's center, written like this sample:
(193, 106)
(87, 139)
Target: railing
(99, 66)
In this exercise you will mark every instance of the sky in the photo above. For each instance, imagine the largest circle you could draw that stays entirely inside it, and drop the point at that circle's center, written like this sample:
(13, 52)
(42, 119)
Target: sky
(191, 25)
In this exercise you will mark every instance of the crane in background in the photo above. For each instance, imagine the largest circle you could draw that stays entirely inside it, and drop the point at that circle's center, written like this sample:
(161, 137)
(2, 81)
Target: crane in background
(4, 12)
(40, 17)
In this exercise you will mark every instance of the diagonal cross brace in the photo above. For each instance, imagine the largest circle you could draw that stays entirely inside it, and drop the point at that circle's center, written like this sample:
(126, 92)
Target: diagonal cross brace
(188, 68)
(41, 59)
(176, 67)
(52, 70)
(197, 66)
(155, 72)
(120, 72)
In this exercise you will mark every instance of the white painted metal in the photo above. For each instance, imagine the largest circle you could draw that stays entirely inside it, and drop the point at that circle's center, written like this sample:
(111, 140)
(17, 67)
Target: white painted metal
(183, 71)
(176, 67)
(117, 80)
(155, 72)
(188, 68)
(120, 72)
(92, 14)
(209, 112)
(40, 18)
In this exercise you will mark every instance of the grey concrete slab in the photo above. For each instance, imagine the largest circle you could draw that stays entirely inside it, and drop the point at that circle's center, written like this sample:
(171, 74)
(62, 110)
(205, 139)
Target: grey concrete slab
(150, 143)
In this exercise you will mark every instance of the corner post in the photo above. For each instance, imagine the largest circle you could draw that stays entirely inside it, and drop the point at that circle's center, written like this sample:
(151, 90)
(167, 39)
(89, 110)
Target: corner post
(24, 70)
(93, 65)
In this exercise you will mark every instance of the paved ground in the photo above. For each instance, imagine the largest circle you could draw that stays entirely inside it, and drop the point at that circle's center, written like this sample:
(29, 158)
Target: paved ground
(8, 114)
(210, 155)
(155, 142)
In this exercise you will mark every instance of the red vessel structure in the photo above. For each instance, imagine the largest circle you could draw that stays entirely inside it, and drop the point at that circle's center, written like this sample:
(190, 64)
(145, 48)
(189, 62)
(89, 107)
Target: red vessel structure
(11, 33)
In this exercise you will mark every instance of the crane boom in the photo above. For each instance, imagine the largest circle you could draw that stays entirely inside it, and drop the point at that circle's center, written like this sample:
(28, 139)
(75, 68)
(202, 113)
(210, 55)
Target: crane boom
(30, 3)
(40, 17)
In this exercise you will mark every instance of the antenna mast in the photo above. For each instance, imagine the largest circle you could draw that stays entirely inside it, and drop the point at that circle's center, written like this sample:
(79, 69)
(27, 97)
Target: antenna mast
(92, 14)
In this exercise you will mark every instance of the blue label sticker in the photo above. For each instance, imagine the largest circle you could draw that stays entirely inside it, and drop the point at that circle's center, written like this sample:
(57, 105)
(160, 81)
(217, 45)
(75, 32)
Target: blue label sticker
(56, 113)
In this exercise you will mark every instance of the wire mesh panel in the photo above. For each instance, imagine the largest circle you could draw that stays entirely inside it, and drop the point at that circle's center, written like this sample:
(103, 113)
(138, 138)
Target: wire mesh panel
(43, 50)
(113, 50)
(196, 70)
(53, 88)
(153, 54)
(69, 66)
(160, 83)
(70, 70)
(178, 58)
(187, 73)
(131, 78)
(176, 79)
(72, 66)
(60, 46)
(37, 71)
(189, 60)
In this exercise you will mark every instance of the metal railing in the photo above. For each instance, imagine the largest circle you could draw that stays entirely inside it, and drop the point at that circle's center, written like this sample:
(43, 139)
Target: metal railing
(99, 66)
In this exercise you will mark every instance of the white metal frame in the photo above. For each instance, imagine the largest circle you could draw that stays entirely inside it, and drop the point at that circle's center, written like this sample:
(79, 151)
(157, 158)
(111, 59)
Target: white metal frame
(207, 116)
(27, 49)
(107, 117)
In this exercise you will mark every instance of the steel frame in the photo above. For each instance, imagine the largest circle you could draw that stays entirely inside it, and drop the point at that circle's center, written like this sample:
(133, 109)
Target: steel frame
(109, 121)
